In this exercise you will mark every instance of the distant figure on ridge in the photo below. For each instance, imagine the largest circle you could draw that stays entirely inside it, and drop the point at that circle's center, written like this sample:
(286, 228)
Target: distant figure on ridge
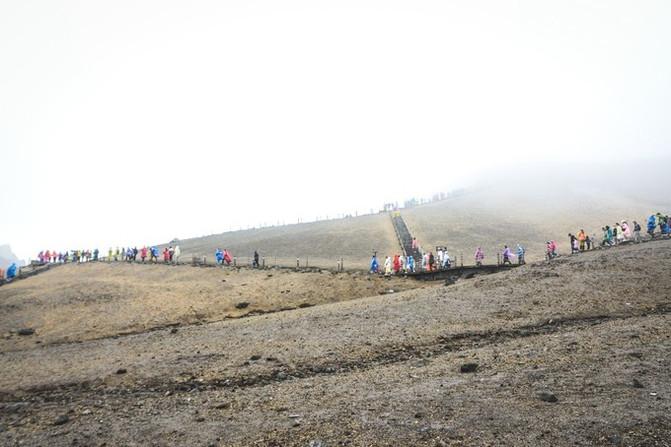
(479, 256)
(507, 254)
(255, 262)
(520, 255)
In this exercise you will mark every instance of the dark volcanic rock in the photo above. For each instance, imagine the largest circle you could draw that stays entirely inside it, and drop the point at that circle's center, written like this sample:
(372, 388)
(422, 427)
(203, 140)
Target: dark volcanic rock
(255, 357)
(26, 331)
(121, 371)
(469, 367)
(547, 396)
(62, 419)
(637, 384)
(173, 330)
(242, 305)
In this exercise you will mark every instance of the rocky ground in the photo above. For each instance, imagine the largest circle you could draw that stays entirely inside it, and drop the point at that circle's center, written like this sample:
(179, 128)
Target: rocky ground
(573, 352)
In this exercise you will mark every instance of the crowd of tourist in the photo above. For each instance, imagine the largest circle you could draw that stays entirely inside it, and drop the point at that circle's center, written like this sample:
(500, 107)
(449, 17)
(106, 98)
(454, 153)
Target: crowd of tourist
(620, 232)
(441, 260)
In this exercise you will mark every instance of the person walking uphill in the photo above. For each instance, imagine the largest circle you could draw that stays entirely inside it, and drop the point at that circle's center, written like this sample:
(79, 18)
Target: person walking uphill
(652, 223)
(637, 232)
(573, 241)
(176, 254)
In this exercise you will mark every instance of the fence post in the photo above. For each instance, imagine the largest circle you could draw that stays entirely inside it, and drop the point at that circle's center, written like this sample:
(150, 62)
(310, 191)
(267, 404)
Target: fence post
(498, 258)
(235, 261)
(342, 265)
(306, 261)
(264, 262)
(298, 263)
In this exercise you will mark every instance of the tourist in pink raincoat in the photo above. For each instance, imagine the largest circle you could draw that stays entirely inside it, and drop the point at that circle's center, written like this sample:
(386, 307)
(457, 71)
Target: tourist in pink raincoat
(626, 231)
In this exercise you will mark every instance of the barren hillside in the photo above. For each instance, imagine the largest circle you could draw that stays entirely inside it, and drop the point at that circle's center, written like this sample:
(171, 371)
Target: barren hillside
(490, 218)
(319, 243)
(572, 352)
(529, 205)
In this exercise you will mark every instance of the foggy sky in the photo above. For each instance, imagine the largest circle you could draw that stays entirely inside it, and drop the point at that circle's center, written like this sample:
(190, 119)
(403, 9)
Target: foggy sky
(139, 121)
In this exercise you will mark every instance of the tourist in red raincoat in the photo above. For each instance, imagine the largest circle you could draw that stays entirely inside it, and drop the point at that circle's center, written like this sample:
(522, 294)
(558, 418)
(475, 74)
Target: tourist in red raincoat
(397, 264)
(227, 257)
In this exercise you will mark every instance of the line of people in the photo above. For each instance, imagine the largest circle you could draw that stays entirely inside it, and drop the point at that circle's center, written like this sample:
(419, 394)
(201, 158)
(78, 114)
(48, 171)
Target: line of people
(619, 233)
(169, 255)
(53, 257)
(399, 264)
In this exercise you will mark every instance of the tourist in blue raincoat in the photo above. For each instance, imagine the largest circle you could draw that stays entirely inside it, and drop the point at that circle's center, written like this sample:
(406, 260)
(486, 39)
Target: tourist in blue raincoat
(11, 271)
(374, 265)
(651, 224)
(219, 256)
(520, 254)
(411, 264)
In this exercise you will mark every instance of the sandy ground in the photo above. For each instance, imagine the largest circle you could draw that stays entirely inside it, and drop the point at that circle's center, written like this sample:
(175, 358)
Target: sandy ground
(96, 300)
(574, 352)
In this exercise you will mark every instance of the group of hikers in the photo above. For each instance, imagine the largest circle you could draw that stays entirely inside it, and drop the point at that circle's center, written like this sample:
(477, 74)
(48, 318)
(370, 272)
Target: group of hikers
(399, 264)
(619, 233)
(54, 257)
(224, 257)
(169, 255)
